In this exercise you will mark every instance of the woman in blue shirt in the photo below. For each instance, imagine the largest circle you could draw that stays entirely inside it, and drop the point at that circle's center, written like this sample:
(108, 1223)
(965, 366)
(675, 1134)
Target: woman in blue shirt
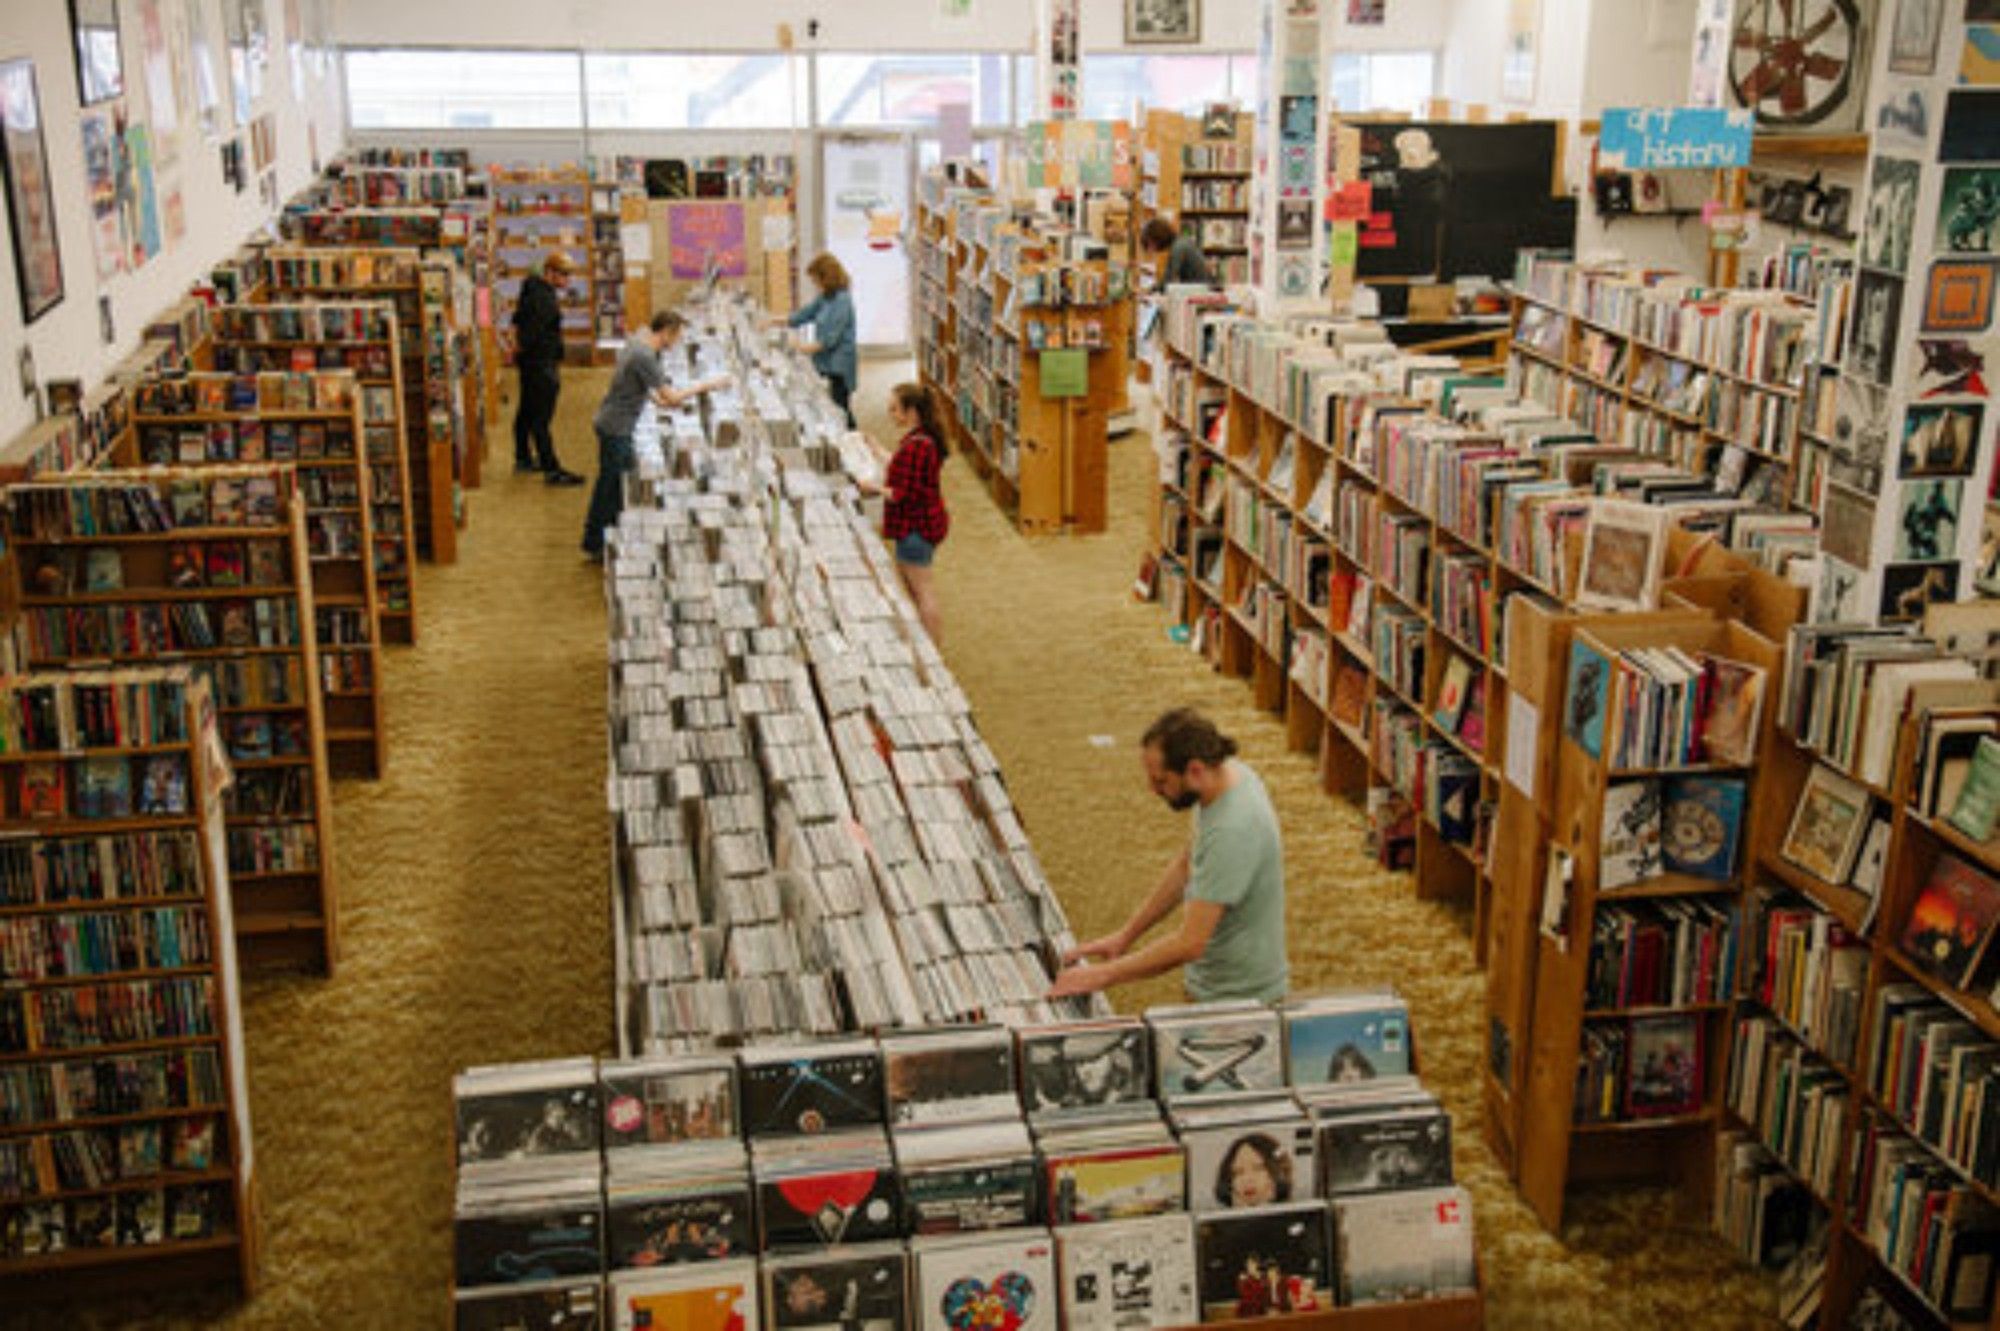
(831, 314)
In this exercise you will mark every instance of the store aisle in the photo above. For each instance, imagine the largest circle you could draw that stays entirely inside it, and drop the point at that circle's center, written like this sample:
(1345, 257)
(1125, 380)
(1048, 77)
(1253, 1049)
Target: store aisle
(1065, 671)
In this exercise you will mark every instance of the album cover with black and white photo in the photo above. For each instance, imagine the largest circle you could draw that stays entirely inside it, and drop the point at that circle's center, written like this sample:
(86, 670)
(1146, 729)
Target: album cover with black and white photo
(1260, 1160)
(949, 1077)
(855, 1289)
(1003, 1280)
(1085, 1065)
(1346, 1037)
(660, 1101)
(1128, 1274)
(662, 1223)
(1264, 1262)
(1210, 1048)
(1398, 1247)
(809, 1089)
(552, 1305)
(527, 1111)
(1386, 1151)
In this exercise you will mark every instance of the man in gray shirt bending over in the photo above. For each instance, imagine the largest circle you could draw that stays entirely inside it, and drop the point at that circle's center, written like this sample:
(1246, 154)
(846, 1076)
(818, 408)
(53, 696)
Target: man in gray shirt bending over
(1230, 885)
(637, 380)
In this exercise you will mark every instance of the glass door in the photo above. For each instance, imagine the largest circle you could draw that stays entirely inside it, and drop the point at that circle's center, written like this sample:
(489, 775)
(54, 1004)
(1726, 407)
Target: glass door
(866, 182)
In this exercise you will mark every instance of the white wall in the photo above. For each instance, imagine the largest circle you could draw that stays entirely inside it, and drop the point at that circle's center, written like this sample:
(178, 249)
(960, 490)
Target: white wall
(65, 340)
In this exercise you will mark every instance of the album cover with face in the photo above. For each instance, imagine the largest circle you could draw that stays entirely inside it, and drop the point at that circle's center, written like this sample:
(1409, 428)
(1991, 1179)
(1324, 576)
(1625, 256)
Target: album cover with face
(1085, 1066)
(1258, 1163)
(663, 1225)
(812, 1090)
(714, 1296)
(821, 1208)
(555, 1305)
(654, 1102)
(856, 1289)
(1115, 1184)
(1005, 1282)
(1263, 1262)
(1389, 1151)
(1348, 1042)
(1213, 1049)
(946, 1077)
(1128, 1273)
(534, 1112)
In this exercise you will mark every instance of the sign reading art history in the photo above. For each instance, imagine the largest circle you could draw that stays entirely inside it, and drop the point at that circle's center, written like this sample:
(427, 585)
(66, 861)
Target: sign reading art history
(1670, 138)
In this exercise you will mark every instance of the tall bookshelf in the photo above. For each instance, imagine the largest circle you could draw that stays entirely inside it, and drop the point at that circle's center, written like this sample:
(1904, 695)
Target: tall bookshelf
(205, 565)
(371, 186)
(310, 422)
(536, 211)
(425, 319)
(125, 1123)
(365, 337)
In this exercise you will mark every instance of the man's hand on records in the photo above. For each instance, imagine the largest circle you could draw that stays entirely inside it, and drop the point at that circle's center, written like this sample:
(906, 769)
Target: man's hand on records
(1107, 947)
(1080, 980)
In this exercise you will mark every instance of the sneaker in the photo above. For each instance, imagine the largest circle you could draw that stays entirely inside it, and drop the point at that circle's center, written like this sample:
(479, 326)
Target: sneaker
(527, 468)
(561, 477)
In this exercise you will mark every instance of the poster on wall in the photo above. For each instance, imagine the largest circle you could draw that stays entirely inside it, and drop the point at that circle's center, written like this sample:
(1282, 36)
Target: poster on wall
(162, 89)
(295, 47)
(1708, 75)
(249, 54)
(100, 181)
(31, 206)
(1517, 66)
(173, 211)
(146, 242)
(210, 71)
(701, 234)
(1802, 67)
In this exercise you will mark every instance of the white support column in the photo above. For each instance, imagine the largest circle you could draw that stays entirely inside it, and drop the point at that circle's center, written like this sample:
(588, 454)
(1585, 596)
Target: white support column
(1909, 440)
(1288, 185)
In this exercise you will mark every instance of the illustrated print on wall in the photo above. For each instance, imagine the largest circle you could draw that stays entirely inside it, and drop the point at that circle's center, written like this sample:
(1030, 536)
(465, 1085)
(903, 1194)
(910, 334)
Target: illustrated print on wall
(1904, 114)
(1878, 311)
(1860, 434)
(211, 70)
(1162, 22)
(1800, 64)
(1847, 526)
(1927, 521)
(1979, 61)
(1960, 296)
(100, 62)
(1968, 219)
(1889, 225)
(100, 179)
(1913, 40)
(1908, 588)
(1952, 367)
(31, 205)
(1940, 439)
(1837, 600)
(1971, 126)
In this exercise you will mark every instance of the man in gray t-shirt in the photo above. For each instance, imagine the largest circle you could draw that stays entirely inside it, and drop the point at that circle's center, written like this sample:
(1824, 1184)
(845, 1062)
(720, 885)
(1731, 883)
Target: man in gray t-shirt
(1230, 883)
(639, 379)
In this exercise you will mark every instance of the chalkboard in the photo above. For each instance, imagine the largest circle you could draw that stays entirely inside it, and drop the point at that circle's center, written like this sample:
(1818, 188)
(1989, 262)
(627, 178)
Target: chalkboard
(1458, 200)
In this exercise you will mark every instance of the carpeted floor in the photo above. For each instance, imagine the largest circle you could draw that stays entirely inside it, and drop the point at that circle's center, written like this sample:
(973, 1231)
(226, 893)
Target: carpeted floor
(475, 922)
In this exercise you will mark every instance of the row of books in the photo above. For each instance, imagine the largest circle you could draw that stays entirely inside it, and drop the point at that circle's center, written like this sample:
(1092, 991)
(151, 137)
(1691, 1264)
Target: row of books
(109, 787)
(331, 391)
(89, 1159)
(47, 947)
(318, 321)
(1645, 708)
(136, 1218)
(209, 497)
(1641, 1067)
(130, 866)
(143, 629)
(1674, 952)
(92, 709)
(326, 266)
(63, 571)
(118, 1012)
(244, 441)
(115, 1086)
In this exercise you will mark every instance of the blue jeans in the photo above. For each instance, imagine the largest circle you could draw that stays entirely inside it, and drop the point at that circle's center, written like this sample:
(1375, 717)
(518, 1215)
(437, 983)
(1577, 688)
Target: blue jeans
(914, 550)
(607, 500)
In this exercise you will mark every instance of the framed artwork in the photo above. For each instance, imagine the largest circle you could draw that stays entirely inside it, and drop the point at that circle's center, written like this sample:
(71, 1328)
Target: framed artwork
(1940, 439)
(100, 68)
(1889, 226)
(1624, 554)
(1162, 22)
(1517, 66)
(1827, 826)
(211, 72)
(1969, 210)
(1960, 296)
(1800, 64)
(1913, 41)
(31, 205)
(1878, 311)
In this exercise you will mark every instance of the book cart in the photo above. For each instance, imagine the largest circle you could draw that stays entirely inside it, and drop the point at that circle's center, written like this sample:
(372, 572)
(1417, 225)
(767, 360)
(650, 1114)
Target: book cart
(365, 337)
(126, 1123)
(206, 565)
(432, 421)
(1851, 1106)
(310, 422)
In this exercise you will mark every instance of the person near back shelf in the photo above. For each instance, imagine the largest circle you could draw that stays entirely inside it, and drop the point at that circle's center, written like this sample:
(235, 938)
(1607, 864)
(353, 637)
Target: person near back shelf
(1230, 884)
(637, 380)
(1176, 255)
(915, 517)
(538, 355)
(831, 314)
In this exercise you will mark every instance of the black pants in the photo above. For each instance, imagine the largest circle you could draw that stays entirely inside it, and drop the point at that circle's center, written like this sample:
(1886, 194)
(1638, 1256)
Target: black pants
(533, 446)
(842, 395)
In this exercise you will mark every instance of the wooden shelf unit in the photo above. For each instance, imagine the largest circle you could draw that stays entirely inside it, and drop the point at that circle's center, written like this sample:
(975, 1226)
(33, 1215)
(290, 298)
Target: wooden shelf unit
(339, 524)
(278, 814)
(1554, 1148)
(1854, 1257)
(432, 419)
(178, 1066)
(535, 211)
(365, 337)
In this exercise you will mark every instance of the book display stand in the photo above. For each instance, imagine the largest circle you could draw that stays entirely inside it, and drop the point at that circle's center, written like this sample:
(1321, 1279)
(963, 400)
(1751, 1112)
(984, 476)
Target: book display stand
(125, 1123)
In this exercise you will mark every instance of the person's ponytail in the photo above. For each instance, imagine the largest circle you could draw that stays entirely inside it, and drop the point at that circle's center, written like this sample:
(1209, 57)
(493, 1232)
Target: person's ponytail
(921, 401)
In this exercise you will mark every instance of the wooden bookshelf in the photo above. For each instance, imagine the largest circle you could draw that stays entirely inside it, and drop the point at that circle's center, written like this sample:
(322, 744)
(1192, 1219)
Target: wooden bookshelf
(1556, 1146)
(536, 211)
(426, 326)
(156, 1181)
(365, 337)
(207, 566)
(311, 423)
(371, 186)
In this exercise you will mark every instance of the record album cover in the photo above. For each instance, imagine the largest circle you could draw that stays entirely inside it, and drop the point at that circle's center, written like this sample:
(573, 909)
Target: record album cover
(658, 1101)
(1263, 1262)
(858, 1289)
(856, 1205)
(500, 1119)
(1251, 1164)
(812, 1091)
(950, 1078)
(1085, 1066)
(1115, 1184)
(560, 1237)
(1340, 1041)
(960, 1196)
(678, 1225)
(1400, 1247)
(1005, 1282)
(556, 1305)
(1200, 1051)
(1128, 1274)
(1386, 1151)
(715, 1296)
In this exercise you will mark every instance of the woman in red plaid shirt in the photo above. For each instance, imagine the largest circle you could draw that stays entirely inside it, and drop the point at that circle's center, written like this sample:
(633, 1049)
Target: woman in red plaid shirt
(915, 517)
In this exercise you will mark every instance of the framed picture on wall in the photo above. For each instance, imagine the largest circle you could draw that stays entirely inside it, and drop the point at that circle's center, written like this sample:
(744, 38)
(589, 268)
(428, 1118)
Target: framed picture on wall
(100, 68)
(1517, 66)
(1162, 22)
(31, 205)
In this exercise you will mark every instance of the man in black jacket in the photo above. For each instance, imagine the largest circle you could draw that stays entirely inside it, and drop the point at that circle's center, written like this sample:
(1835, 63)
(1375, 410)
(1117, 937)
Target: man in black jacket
(538, 354)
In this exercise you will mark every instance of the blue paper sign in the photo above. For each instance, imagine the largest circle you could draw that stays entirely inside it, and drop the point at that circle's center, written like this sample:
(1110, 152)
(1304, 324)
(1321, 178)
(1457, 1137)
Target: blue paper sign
(1666, 138)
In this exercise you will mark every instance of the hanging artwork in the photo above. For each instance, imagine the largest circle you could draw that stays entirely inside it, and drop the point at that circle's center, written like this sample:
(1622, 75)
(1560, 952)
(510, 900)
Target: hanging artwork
(162, 86)
(173, 210)
(31, 205)
(1517, 67)
(210, 71)
(1162, 22)
(1800, 64)
(100, 64)
(295, 47)
(1710, 68)
(146, 240)
(100, 179)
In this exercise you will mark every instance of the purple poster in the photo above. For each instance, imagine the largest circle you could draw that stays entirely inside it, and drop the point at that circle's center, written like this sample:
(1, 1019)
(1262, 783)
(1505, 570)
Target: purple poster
(700, 232)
